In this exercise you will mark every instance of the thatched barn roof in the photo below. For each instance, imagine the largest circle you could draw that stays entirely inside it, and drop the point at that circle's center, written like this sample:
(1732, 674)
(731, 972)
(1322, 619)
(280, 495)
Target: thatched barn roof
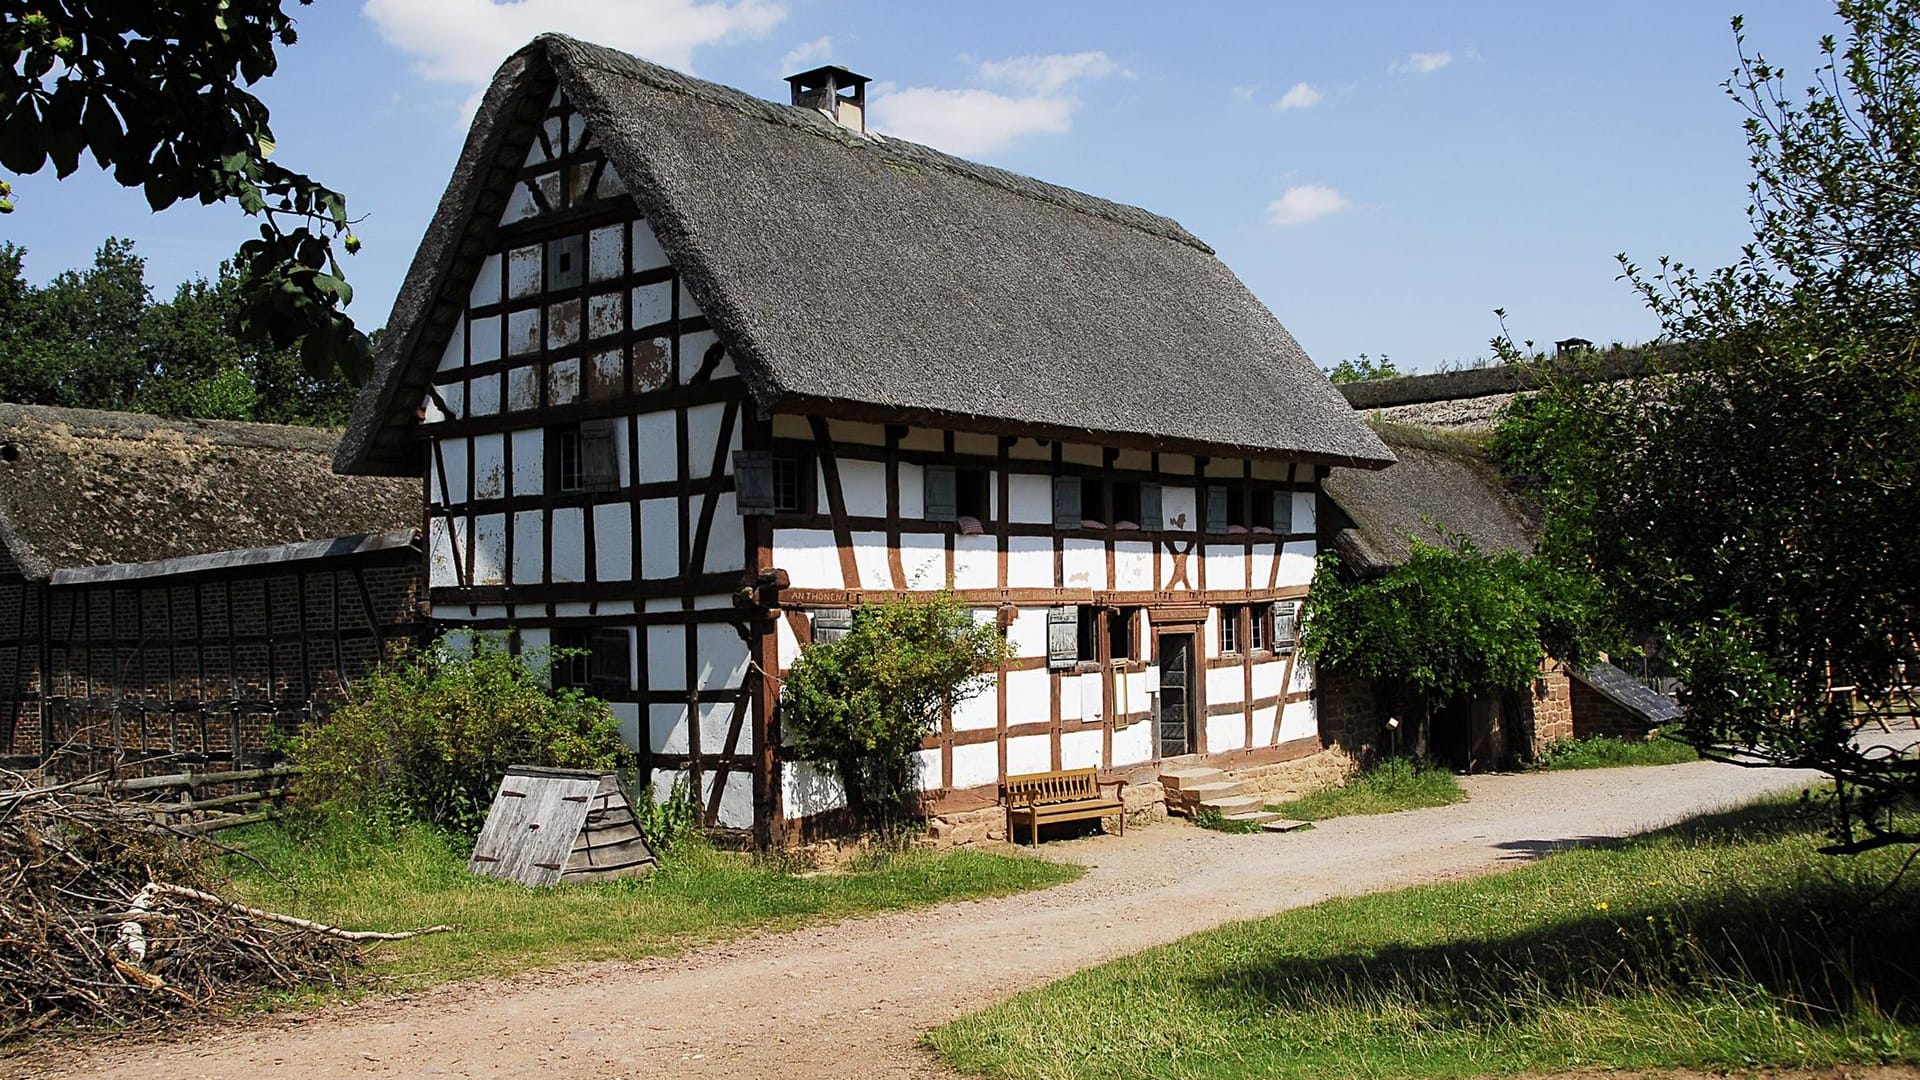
(80, 487)
(1442, 483)
(863, 274)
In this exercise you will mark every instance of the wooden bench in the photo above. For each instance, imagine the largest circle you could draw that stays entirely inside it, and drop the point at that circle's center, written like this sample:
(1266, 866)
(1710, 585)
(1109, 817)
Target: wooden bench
(1068, 795)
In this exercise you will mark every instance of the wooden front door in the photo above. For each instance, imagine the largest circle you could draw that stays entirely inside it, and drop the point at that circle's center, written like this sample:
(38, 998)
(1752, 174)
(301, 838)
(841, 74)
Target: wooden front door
(1176, 694)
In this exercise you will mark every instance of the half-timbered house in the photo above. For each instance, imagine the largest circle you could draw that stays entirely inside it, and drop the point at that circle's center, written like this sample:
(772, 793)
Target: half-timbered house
(692, 374)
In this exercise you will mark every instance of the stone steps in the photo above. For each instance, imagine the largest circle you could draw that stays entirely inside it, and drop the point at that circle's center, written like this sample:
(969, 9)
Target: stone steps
(1255, 817)
(1284, 825)
(1229, 805)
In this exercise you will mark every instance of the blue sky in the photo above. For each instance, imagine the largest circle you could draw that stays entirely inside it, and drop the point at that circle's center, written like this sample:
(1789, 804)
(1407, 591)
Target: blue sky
(1382, 175)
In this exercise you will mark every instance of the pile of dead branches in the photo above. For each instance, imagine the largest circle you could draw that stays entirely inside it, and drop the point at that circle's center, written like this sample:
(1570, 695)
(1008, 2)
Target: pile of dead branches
(108, 919)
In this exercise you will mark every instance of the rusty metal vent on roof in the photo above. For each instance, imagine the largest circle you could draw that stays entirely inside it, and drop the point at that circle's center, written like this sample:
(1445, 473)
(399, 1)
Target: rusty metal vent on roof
(548, 826)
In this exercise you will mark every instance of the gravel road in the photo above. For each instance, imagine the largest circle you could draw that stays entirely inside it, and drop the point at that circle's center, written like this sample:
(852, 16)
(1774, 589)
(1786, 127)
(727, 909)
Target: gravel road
(849, 999)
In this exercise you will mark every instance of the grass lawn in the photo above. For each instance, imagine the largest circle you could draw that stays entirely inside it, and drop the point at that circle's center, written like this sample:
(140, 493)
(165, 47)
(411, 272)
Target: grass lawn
(1729, 942)
(698, 895)
(1394, 784)
(1605, 752)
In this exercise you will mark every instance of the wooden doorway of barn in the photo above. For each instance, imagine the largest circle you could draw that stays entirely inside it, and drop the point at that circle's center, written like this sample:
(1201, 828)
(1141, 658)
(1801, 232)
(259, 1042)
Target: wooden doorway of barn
(1174, 719)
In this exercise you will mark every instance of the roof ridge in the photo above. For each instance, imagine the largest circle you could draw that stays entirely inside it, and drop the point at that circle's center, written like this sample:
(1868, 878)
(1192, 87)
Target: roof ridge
(126, 422)
(615, 62)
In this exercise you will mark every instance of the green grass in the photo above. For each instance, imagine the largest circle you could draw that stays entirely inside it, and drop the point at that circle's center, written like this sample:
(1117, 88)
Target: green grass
(1606, 752)
(1394, 784)
(416, 878)
(1728, 943)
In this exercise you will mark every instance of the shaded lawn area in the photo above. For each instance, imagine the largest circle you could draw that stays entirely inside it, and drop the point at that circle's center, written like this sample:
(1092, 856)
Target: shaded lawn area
(1390, 786)
(1606, 752)
(367, 881)
(1729, 942)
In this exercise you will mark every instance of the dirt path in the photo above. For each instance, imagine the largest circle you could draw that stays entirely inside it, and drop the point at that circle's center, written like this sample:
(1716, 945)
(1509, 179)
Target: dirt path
(849, 999)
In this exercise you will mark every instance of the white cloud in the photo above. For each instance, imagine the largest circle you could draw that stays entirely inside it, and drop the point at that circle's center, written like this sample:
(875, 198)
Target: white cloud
(1300, 96)
(1048, 75)
(463, 41)
(970, 121)
(1423, 63)
(1245, 93)
(807, 55)
(1303, 203)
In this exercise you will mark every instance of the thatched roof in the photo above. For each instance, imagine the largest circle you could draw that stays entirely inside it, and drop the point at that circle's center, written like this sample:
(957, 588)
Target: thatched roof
(870, 276)
(1443, 482)
(1476, 382)
(80, 487)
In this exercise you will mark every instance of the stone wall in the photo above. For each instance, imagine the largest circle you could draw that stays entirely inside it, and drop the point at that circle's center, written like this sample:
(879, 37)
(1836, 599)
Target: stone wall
(1594, 714)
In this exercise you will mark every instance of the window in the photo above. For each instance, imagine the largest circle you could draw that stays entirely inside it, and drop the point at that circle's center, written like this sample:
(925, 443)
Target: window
(792, 483)
(1262, 512)
(597, 661)
(1066, 502)
(832, 624)
(1093, 504)
(1283, 511)
(1226, 508)
(1122, 634)
(1229, 629)
(1087, 644)
(1258, 623)
(583, 456)
(972, 497)
(1126, 504)
(959, 495)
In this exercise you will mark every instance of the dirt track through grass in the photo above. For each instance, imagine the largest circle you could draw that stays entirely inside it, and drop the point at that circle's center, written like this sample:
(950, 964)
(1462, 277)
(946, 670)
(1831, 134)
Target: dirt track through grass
(853, 998)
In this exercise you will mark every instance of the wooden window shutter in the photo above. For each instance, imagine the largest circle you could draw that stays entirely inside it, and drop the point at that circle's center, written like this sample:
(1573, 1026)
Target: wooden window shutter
(1063, 637)
(609, 660)
(753, 481)
(599, 457)
(1283, 512)
(1150, 515)
(942, 503)
(1216, 508)
(1066, 504)
(1286, 625)
(832, 623)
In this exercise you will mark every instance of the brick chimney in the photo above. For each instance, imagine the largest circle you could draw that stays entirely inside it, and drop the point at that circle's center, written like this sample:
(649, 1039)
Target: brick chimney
(835, 91)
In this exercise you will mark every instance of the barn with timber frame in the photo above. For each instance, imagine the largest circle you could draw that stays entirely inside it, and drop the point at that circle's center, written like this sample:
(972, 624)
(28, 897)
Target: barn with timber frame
(174, 590)
(690, 374)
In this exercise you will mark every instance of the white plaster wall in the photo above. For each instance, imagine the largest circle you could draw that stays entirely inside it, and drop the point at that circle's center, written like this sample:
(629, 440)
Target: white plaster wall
(1225, 685)
(786, 643)
(926, 767)
(659, 538)
(1300, 720)
(1262, 557)
(445, 543)
(806, 788)
(490, 549)
(736, 797)
(483, 340)
(627, 715)
(529, 547)
(716, 718)
(1296, 564)
(1029, 562)
(613, 541)
(809, 556)
(1071, 699)
(1302, 676)
(647, 254)
(978, 712)
(1029, 754)
(569, 555)
(666, 657)
(1132, 744)
(1028, 696)
(1133, 565)
(667, 729)
(703, 434)
(1227, 731)
(1265, 721)
(1226, 567)
(976, 562)
(913, 493)
(976, 765)
(727, 537)
(1084, 563)
(659, 447)
(1029, 499)
(489, 466)
(1266, 678)
(529, 474)
(1028, 632)
(722, 660)
(1177, 505)
(1093, 697)
(870, 556)
(1080, 749)
(924, 558)
(1303, 512)
(863, 484)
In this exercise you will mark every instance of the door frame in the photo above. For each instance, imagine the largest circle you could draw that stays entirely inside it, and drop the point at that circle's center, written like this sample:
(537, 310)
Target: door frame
(1196, 683)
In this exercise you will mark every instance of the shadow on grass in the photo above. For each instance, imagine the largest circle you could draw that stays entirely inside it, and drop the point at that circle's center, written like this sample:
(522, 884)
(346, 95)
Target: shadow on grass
(1734, 903)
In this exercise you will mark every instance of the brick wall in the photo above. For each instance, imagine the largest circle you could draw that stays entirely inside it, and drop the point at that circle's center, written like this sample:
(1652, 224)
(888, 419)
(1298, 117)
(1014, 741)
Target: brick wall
(1594, 714)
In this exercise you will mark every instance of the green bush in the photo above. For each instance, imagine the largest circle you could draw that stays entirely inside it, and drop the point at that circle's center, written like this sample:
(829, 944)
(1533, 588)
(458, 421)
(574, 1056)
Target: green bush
(670, 822)
(862, 703)
(428, 737)
(1606, 752)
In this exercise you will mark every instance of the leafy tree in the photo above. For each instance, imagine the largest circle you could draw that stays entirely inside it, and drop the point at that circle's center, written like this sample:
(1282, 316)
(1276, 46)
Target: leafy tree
(154, 93)
(1754, 504)
(94, 338)
(1363, 369)
(429, 736)
(861, 704)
